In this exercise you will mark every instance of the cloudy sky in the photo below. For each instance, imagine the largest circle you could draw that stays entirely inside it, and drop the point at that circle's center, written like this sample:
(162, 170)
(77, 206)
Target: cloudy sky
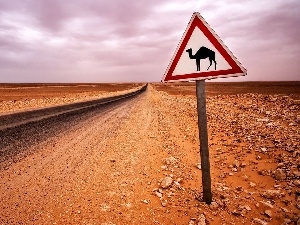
(134, 40)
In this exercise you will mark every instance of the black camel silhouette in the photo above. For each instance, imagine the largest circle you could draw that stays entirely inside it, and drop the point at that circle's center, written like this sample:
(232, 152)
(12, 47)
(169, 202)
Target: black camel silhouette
(202, 53)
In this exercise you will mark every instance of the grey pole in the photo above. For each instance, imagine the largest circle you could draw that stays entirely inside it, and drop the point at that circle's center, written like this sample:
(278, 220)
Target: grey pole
(203, 136)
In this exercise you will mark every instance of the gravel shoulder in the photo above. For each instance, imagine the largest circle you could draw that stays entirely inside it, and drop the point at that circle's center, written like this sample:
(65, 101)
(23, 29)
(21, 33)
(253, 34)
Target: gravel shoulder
(139, 164)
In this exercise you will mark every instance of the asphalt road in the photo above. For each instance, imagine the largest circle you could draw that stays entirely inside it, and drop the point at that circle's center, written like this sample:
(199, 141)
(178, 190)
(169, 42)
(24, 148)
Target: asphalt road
(20, 131)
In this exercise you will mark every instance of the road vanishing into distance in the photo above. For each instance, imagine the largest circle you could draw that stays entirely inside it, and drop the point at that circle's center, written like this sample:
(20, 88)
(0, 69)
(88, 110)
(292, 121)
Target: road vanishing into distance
(20, 131)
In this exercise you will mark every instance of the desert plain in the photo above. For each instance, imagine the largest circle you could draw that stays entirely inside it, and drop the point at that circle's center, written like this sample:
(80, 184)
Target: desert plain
(138, 162)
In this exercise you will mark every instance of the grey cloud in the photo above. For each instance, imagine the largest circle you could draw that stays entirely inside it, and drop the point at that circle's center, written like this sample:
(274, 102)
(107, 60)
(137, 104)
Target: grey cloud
(104, 39)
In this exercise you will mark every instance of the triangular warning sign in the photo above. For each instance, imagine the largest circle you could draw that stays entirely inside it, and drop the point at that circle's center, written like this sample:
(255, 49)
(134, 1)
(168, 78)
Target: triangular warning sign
(201, 54)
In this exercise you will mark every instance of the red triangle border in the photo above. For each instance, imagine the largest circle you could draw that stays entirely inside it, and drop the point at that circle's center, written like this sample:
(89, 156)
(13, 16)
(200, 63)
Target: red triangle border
(236, 70)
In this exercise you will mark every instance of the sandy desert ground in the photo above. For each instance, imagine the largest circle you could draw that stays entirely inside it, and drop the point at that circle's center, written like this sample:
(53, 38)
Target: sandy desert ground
(138, 163)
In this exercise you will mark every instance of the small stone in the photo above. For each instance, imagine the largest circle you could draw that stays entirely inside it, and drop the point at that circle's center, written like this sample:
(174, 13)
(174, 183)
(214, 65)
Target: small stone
(258, 157)
(271, 194)
(222, 175)
(247, 207)
(166, 182)
(285, 210)
(262, 119)
(230, 174)
(243, 165)
(251, 184)
(198, 166)
(296, 183)
(267, 204)
(145, 201)
(158, 194)
(161, 190)
(236, 213)
(214, 206)
(170, 160)
(239, 188)
(236, 164)
(268, 213)
(179, 179)
(164, 202)
(177, 183)
(234, 169)
(296, 174)
(202, 219)
(279, 174)
(264, 150)
(259, 221)
(280, 165)
(245, 177)
(164, 167)
(192, 222)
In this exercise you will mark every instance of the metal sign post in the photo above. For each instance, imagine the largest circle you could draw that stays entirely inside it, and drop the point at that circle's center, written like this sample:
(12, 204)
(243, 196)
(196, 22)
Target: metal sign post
(203, 136)
(202, 55)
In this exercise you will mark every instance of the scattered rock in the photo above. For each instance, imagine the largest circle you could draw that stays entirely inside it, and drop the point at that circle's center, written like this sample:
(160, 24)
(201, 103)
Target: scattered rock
(236, 164)
(177, 184)
(222, 175)
(267, 204)
(164, 167)
(198, 166)
(163, 202)
(192, 222)
(166, 182)
(236, 213)
(239, 188)
(262, 119)
(264, 150)
(158, 194)
(245, 177)
(214, 206)
(279, 174)
(243, 165)
(296, 174)
(268, 213)
(171, 160)
(259, 221)
(234, 169)
(247, 207)
(296, 183)
(272, 194)
(285, 210)
(179, 179)
(202, 219)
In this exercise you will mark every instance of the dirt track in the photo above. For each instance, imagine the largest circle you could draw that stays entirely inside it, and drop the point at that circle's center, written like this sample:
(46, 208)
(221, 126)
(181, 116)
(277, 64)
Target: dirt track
(109, 169)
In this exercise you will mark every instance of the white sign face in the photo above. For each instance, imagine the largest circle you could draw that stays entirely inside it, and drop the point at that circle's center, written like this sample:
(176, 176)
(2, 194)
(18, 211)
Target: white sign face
(202, 55)
(188, 65)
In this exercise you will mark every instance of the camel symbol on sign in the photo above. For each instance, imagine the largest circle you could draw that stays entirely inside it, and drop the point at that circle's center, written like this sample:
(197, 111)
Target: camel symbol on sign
(202, 53)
